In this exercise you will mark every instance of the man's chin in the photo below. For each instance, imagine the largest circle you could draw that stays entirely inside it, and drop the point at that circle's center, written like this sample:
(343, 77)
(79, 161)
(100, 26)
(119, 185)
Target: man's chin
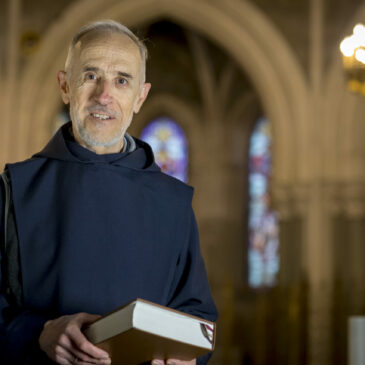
(99, 141)
(102, 143)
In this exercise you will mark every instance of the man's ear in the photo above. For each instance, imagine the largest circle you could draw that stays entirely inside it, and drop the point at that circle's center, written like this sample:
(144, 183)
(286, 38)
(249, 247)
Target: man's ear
(64, 87)
(142, 96)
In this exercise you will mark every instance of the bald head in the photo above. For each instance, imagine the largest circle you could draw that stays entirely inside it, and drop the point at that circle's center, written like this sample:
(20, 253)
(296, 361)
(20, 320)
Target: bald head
(105, 28)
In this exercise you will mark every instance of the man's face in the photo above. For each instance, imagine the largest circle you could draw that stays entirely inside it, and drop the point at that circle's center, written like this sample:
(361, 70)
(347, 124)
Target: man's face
(104, 89)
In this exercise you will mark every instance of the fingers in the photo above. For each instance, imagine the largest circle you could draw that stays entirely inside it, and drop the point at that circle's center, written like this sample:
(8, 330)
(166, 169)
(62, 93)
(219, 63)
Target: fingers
(80, 362)
(67, 344)
(63, 357)
(85, 349)
(173, 362)
(86, 318)
(81, 341)
(63, 341)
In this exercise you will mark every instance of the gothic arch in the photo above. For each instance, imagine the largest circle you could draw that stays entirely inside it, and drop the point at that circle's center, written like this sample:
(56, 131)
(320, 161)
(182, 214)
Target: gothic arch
(237, 26)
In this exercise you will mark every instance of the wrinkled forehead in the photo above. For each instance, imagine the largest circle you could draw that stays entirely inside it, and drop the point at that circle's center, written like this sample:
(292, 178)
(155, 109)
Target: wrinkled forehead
(106, 47)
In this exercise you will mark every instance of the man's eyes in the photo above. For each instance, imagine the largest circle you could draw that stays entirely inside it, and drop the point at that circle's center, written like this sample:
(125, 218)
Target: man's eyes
(93, 77)
(90, 76)
(122, 81)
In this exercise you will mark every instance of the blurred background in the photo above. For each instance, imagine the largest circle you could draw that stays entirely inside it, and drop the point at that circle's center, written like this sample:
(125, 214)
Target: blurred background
(253, 104)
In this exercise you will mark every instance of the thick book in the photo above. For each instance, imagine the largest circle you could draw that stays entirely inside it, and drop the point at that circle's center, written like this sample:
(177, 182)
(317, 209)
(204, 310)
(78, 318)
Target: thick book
(141, 331)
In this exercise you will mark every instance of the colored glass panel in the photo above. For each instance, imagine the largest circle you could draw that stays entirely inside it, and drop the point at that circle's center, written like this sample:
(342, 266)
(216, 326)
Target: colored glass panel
(169, 146)
(263, 256)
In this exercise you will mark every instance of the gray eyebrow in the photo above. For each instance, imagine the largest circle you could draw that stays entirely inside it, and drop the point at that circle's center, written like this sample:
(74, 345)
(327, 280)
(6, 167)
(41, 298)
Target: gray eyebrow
(125, 74)
(119, 73)
(88, 68)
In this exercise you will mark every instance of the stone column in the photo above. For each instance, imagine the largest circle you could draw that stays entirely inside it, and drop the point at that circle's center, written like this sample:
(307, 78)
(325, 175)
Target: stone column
(348, 232)
(306, 270)
(291, 297)
(319, 269)
(220, 201)
(318, 261)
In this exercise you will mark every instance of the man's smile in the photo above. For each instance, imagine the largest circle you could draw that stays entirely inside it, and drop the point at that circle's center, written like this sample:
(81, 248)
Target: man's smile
(101, 116)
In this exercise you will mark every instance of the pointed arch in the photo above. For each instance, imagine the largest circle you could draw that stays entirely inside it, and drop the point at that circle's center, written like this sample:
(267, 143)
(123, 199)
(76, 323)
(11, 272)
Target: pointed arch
(239, 28)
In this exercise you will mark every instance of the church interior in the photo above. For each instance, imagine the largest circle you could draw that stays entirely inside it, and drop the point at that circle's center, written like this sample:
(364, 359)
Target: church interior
(252, 104)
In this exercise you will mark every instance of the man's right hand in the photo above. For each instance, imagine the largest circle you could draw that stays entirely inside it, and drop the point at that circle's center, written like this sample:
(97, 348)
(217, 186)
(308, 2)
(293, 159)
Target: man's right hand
(63, 341)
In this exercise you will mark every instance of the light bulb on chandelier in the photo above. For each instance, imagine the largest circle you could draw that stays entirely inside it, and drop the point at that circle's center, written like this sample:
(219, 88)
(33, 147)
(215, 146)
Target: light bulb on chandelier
(353, 56)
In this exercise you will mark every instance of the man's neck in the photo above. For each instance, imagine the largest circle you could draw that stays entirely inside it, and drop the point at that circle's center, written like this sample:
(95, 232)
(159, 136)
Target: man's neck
(99, 150)
(103, 150)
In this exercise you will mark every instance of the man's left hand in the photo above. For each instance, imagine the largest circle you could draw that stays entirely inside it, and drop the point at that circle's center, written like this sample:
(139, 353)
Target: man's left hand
(173, 362)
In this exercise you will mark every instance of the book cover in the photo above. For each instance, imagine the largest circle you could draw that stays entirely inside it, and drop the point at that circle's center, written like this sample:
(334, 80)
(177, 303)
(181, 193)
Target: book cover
(141, 331)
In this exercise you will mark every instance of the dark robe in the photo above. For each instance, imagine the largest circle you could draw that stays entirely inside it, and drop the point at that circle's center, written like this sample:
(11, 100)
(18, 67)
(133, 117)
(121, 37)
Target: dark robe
(95, 232)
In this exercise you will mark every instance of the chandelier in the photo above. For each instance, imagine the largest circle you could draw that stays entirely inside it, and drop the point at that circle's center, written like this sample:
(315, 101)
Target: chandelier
(353, 56)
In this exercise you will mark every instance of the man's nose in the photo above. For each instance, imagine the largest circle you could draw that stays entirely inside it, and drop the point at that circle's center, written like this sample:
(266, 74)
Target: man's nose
(103, 92)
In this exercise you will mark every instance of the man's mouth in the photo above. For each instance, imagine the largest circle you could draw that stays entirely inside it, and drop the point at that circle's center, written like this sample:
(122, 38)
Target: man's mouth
(101, 116)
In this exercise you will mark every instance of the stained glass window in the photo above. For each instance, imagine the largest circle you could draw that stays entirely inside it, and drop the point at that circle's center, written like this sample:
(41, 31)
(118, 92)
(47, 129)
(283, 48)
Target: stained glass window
(263, 222)
(169, 145)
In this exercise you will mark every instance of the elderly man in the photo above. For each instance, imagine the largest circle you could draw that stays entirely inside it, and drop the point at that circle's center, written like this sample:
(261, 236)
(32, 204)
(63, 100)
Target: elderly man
(96, 223)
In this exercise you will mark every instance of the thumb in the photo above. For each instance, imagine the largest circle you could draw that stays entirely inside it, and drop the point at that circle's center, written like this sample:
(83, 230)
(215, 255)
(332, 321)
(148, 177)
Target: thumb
(86, 318)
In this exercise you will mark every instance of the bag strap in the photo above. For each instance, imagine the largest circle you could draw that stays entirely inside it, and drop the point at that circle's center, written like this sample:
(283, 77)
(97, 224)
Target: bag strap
(6, 183)
(10, 266)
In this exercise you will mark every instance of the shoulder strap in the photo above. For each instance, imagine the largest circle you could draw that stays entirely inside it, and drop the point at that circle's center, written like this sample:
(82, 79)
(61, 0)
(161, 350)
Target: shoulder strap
(6, 183)
(10, 265)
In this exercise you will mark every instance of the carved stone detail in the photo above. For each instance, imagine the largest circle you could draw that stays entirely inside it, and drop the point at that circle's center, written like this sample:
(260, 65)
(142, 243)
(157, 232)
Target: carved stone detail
(346, 198)
(290, 200)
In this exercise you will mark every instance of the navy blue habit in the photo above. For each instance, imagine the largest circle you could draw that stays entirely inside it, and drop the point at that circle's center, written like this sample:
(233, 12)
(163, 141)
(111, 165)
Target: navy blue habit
(95, 232)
